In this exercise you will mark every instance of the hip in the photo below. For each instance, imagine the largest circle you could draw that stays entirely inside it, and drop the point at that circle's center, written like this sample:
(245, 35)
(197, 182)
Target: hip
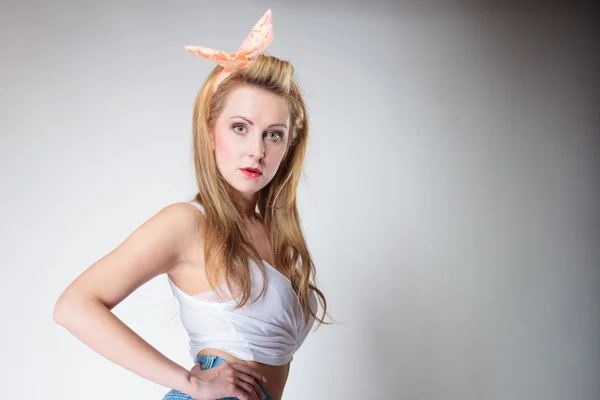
(276, 374)
(207, 361)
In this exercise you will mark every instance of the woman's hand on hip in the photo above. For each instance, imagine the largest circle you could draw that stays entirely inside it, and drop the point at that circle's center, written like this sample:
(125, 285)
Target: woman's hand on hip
(226, 380)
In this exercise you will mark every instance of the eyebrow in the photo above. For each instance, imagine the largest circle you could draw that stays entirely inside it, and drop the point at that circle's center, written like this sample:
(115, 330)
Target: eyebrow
(252, 123)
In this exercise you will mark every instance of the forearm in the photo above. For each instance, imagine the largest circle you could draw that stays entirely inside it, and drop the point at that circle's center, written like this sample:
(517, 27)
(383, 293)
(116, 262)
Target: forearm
(96, 326)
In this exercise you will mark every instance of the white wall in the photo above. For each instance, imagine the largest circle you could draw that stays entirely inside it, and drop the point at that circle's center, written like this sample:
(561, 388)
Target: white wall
(450, 195)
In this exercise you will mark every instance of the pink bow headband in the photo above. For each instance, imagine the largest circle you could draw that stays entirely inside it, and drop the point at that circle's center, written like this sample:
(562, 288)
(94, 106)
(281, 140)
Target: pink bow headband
(253, 46)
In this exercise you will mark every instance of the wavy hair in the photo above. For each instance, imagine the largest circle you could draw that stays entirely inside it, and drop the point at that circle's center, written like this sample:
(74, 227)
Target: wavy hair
(227, 243)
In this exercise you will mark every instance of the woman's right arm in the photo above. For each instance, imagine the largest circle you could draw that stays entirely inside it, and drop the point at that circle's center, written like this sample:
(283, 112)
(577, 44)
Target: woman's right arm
(155, 248)
(84, 308)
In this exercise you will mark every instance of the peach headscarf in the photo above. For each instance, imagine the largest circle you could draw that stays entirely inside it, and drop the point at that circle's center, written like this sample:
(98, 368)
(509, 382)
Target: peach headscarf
(253, 46)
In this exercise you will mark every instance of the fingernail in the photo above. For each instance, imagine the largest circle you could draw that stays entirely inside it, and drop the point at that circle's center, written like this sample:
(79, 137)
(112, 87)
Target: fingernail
(265, 379)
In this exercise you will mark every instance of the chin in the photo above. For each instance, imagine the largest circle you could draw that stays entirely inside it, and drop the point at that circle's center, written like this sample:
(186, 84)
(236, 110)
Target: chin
(249, 188)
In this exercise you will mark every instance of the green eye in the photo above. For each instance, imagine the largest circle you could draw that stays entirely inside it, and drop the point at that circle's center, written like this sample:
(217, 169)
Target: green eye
(235, 128)
(278, 137)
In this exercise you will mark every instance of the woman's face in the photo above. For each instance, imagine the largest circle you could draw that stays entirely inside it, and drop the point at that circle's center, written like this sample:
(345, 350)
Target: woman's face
(251, 132)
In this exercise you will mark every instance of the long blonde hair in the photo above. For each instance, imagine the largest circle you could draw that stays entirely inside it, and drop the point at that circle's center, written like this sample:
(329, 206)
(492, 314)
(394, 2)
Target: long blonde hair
(227, 243)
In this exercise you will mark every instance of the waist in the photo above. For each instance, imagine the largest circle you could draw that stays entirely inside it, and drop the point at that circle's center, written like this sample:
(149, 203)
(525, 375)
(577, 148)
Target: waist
(276, 374)
(270, 350)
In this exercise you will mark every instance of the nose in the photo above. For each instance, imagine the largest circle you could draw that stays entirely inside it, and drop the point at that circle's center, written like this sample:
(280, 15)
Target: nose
(257, 148)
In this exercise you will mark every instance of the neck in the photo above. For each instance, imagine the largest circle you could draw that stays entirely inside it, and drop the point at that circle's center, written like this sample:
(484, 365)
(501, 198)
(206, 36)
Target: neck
(248, 208)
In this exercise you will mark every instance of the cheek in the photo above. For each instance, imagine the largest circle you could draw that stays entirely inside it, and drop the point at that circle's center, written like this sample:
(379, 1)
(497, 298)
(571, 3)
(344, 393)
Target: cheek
(277, 155)
(224, 146)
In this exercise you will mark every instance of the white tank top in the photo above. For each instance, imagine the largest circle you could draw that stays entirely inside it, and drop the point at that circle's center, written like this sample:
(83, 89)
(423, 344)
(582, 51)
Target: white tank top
(269, 330)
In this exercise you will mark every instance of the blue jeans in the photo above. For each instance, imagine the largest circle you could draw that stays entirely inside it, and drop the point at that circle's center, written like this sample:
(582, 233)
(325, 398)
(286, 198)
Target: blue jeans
(207, 362)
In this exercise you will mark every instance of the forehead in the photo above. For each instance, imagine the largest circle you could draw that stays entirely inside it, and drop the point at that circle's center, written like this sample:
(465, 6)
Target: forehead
(258, 105)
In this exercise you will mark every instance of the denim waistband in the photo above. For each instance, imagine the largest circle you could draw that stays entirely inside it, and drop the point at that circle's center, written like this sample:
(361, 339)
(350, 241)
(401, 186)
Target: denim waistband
(208, 361)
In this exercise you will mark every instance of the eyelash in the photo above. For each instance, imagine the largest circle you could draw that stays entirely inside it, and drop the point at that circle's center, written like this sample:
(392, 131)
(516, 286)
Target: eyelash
(277, 132)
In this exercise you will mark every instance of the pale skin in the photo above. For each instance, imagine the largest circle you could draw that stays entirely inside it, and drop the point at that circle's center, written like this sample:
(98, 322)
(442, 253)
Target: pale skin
(171, 242)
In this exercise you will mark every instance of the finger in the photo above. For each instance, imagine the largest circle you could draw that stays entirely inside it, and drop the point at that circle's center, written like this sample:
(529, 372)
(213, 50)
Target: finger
(247, 388)
(252, 382)
(249, 371)
(235, 391)
(241, 395)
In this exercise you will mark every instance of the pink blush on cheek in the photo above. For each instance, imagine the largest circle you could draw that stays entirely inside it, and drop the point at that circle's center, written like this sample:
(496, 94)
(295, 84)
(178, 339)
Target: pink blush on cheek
(223, 146)
(226, 154)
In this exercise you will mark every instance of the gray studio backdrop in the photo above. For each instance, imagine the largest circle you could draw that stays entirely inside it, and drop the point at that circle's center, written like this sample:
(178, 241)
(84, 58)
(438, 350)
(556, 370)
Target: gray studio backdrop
(449, 197)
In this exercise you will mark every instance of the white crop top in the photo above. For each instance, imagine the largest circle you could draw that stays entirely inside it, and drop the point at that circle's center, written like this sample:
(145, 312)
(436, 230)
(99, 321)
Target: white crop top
(269, 330)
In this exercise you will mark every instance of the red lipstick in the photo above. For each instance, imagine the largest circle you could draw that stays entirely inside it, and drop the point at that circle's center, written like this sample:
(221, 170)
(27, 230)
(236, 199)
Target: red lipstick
(251, 172)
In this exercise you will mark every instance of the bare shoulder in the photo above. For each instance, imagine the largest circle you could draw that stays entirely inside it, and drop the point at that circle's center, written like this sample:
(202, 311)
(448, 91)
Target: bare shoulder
(192, 218)
(186, 214)
(176, 225)
(155, 247)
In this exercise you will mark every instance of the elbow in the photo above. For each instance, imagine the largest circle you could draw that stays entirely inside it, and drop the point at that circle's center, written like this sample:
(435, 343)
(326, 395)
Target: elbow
(71, 307)
(60, 312)
(65, 308)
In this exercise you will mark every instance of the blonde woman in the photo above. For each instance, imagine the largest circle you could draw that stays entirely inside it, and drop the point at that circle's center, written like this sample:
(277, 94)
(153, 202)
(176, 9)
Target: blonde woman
(235, 255)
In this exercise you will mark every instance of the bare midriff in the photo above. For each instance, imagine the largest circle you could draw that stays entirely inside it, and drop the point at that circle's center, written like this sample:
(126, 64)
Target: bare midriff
(276, 374)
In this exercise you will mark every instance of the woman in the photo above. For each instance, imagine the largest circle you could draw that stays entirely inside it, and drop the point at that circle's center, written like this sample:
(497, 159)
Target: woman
(235, 256)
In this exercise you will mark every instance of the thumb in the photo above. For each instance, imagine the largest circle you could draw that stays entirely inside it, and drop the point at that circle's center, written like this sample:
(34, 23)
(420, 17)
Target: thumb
(197, 367)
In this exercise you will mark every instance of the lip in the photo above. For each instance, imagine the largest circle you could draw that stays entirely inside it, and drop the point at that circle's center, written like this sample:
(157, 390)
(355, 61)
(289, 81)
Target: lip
(251, 172)
(253, 169)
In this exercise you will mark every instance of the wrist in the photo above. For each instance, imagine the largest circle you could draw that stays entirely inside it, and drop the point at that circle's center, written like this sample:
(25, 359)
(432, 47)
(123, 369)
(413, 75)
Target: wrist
(188, 385)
